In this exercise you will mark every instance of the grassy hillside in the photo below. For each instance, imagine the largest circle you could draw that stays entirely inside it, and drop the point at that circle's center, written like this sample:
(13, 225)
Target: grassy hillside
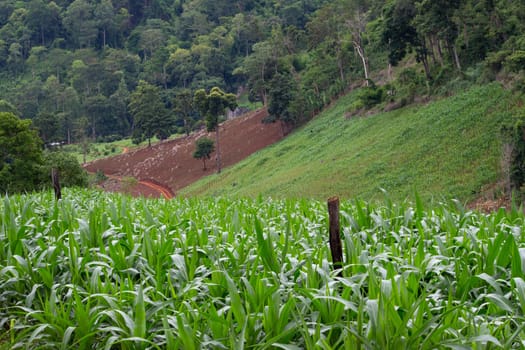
(448, 148)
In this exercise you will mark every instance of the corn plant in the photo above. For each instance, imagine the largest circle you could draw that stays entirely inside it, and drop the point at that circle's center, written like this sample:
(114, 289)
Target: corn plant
(106, 271)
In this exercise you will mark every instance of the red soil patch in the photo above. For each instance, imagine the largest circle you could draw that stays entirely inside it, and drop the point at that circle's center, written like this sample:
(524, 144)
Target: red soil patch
(168, 166)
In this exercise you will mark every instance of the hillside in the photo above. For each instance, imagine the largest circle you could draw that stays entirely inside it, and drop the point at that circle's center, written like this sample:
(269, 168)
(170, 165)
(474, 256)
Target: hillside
(80, 69)
(447, 148)
(171, 163)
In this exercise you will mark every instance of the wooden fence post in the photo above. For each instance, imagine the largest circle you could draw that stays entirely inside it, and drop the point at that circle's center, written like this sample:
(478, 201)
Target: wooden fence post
(335, 233)
(56, 183)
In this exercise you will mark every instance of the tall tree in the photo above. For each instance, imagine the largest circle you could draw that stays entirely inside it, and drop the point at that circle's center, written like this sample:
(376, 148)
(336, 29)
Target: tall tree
(79, 20)
(49, 126)
(356, 21)
(183, 108)
(20, 155)
(105, 20)
(328, 36)
(281, 94)
(150, 116)
(119, 108)
(400, 33)
(259, 68)
(43, 20)
(435, 22)
(99, 113)
(181, 67)
(212, 106)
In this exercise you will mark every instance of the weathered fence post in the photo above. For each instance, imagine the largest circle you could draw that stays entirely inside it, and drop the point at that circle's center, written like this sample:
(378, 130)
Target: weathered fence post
(56, 183)
(335, 233)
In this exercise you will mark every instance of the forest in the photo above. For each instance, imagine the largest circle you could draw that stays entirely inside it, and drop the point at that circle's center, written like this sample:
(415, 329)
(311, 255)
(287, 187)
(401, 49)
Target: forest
(81, 69)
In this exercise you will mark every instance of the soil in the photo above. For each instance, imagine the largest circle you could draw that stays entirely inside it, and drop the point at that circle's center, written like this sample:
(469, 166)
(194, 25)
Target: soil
(488, 206)
(166, 167)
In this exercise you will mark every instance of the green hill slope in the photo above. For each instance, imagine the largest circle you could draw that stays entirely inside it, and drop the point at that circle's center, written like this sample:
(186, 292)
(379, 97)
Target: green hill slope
(448, 148)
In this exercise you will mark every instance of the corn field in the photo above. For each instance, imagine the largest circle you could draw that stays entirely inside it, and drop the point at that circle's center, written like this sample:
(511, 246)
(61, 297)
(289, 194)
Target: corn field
(105, 271)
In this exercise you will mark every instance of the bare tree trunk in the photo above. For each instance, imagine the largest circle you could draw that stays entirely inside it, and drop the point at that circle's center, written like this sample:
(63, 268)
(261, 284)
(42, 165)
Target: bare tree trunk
(340, 64)
(264, 97)
(361, 53)
(428, 42)
(423, 58)
(439, 51)
(427, 68)
(218, 149)
(456, 57)
(164, 75)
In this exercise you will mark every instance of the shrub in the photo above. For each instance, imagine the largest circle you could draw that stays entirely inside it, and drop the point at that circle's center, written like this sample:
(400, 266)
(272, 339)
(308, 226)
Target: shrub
(204, 147)
(71, 173)
(409, 84)
(371, 96)
(100, 176)
(128, 183)
(515, 62)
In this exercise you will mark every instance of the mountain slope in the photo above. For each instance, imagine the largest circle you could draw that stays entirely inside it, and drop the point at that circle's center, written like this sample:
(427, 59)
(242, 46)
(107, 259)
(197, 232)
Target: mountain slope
(171, 163)
(448, 148)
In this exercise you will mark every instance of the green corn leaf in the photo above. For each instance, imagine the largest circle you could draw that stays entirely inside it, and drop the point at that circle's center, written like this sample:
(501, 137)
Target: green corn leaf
(66, 339)
(236, 301)
(484, 339)
(139, 329)
(520, 291)
(500, 301)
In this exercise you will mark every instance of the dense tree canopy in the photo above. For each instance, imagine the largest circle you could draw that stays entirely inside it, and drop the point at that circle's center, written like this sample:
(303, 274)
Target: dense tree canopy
(63, 60)
(20, 155)
(150, 117)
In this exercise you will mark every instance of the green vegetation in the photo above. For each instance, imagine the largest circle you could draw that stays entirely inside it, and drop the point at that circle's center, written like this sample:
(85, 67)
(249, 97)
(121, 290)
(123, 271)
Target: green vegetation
(204, 147)
(20, 155)
(97, 150)
(70, 171)
(127, 184)
(100, 270)
(150, 116)
(450, 148)
(24, 167)
(72, 66)
(213, 106)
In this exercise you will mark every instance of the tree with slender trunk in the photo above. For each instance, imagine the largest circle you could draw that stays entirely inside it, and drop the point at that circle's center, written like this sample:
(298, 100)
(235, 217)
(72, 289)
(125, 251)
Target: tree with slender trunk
(150, 116)
(356, 23)
(212, 106)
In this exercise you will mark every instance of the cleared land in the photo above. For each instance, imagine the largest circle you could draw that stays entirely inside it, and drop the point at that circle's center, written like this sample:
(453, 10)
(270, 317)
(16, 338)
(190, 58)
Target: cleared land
(171, 163)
